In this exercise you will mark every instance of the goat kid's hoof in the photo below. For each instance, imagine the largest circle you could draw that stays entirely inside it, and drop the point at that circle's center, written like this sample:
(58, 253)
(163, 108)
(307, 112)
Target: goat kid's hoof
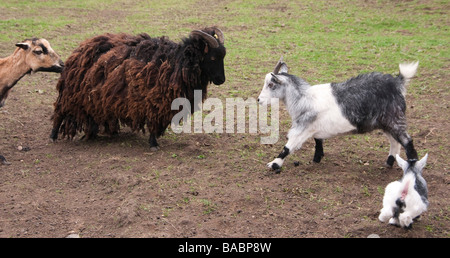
(154, 148)
(405, 221)
(389, 162)
(274, 166)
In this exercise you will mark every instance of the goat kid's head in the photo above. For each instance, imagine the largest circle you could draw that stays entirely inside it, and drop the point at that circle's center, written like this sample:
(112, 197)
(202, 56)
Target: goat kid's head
(40, 56)
(214, 53)
(274, 84)
(414, 166)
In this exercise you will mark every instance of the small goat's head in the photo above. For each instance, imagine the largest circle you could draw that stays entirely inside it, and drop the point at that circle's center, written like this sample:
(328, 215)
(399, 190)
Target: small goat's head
(214, 53)
(40, 56)
(414, 166)
(274, 84)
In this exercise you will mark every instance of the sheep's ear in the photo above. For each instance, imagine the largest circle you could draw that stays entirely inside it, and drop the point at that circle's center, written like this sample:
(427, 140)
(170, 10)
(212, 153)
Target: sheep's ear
(422, 163)
(401, 162)
(23, 45)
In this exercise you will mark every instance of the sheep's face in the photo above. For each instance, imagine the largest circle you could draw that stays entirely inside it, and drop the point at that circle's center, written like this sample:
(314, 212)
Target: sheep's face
(213, 53)
(213, 64)
(40, 56)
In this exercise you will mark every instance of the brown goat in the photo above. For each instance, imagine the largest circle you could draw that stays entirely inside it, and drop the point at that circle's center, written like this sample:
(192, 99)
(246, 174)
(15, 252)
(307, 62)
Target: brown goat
(31, 56)
(116, 79)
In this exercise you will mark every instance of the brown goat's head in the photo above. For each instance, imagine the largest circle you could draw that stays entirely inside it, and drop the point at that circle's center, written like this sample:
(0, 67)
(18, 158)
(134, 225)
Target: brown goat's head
(40, 56)
(32, 55)
(214, 53)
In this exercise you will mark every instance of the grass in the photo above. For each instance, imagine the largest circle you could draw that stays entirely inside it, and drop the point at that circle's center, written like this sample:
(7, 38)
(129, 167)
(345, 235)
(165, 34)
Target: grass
(317, 38)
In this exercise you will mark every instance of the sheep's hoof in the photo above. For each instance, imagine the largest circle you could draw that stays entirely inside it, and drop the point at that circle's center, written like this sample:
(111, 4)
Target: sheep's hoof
(3, 161)
(154, 148)
(318, 157)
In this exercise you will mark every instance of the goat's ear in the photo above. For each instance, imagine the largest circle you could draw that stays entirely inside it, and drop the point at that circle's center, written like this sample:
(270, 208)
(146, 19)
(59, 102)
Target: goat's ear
(284, 68)
(275, 78)
(23, 45)
(401, 162)
(281, 67)
(421, 163)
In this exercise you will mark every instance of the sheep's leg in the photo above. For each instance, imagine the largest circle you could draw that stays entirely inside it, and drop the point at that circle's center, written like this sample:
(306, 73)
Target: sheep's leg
(294, 143)
(57, 121)
(3, 160)
(91, 129)
(154, 146)
(394, 150)
(318, 154)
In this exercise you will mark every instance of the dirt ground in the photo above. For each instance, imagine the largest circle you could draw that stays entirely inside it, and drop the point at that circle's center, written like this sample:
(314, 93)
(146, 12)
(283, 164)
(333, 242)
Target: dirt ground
(199, 185)
(207, 185)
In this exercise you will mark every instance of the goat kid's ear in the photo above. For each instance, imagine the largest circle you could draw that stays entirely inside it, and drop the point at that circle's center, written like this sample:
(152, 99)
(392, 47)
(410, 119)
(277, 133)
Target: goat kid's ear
(422, 163)
(275, 78)
(284, 68)
(281, 67)
(401, 162)
(23, 45)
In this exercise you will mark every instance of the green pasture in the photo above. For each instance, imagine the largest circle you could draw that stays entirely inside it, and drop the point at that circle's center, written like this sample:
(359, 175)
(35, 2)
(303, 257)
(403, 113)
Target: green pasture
(321, 40)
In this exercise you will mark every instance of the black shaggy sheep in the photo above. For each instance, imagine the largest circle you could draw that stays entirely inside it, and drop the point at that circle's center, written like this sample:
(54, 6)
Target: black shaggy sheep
(116, 79)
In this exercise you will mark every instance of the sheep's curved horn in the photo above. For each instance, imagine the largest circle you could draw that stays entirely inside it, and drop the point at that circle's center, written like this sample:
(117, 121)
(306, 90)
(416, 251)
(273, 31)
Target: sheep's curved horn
(212, 42)
(278, 66)
(219, 35)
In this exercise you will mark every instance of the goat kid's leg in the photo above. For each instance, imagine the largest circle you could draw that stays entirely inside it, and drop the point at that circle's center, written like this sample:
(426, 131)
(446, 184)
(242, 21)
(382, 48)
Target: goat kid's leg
(318, 154)
(394, 150)
(154, 146)
(294, 143)
(406, 218)
(385, 214)
(407, 143)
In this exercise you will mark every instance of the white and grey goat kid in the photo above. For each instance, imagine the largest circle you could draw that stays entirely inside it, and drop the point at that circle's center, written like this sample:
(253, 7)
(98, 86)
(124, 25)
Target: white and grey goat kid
(362, 104)
(406, 199)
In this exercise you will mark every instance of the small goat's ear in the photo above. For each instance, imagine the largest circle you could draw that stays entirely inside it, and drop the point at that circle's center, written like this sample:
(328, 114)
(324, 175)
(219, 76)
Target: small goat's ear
(23, 45)
(284, 68)
(422, 163)
(401, 162)
(281, 67)
(275, 78)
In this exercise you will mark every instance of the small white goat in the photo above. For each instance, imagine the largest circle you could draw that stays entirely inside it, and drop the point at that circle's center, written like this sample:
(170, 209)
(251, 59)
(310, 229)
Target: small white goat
(31, 55)
(406, 199)
(362, 104)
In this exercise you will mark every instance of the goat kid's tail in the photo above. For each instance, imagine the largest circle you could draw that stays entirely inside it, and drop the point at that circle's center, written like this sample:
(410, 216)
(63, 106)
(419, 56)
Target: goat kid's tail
(400, 202)
(408, 70)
